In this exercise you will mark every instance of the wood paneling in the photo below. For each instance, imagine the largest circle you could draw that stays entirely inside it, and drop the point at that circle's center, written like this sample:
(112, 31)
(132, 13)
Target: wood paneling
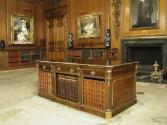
(86, 7)
(76, 8)
(56, 39)
(21, 7)
(33, 8)
(3, 20)
(126, 31)
(160, 31)
(40, 22)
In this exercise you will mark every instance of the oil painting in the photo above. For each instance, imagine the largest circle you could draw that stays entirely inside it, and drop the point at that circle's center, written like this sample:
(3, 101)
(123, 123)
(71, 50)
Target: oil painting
(144, 14)
(88, 26)
(22, 29)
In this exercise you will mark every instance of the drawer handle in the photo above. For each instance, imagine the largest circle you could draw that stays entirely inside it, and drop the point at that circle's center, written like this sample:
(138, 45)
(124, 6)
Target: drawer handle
(44, 67)
(93, 73)
(78, 68)
(58, 68)
(71, 70)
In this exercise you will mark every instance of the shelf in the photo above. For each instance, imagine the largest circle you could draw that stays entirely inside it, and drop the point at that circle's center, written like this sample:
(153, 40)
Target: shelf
(18, 58)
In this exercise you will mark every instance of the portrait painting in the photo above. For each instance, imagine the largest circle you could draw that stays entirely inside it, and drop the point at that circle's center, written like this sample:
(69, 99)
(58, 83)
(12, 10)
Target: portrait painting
(22, 29)
(144, 14)
(88, 26)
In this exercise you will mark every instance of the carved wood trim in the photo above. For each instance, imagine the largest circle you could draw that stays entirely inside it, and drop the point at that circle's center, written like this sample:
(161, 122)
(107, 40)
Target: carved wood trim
(56, 12)
(116, 4)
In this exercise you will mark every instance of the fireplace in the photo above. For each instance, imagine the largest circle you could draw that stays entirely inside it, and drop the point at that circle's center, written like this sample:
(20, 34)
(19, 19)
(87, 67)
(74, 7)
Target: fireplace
(146, 52)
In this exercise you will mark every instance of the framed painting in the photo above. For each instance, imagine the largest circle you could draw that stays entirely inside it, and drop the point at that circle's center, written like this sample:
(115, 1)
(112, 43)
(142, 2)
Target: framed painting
(88, 26)
(22, 29)
(144, 14)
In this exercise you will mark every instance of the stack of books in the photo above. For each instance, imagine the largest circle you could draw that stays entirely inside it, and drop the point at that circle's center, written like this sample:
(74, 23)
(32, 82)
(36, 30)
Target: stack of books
(67, 87)
(94, 93)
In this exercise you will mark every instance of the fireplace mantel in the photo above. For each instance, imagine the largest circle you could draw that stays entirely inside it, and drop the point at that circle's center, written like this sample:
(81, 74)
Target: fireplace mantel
(143, 37)
(130, 43)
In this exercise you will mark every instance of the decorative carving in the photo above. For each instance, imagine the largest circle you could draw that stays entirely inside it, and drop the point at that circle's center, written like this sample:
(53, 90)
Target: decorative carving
(109, 74)
(78, 69)
(58, 68)
(113, 54)
(53, 13)
(78, 72)
(44, 67)
(52, 68)
(71, 70)
(116, 4)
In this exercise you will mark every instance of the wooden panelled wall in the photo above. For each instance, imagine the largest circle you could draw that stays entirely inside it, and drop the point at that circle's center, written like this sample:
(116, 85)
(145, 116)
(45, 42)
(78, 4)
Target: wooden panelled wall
(107, 9)
(79, 8)
(32, 8)
(162, 21)
(119, 24)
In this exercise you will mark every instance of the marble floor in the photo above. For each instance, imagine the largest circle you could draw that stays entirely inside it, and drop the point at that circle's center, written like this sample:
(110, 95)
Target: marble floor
(20, 105)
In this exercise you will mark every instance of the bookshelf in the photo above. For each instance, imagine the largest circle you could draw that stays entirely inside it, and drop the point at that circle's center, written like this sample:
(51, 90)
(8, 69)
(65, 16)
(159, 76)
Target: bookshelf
(67, 87)
(20, 57)
(93, 54)
(94, 93)
(36, 55)
(45, 82)
(13, 58)
(24, 58)
(104, 90)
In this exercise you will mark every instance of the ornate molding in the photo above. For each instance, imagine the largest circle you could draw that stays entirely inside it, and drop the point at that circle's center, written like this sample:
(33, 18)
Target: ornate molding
(116, 4)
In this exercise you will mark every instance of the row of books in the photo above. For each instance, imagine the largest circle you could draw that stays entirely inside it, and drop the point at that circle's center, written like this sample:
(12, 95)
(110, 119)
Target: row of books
(94, 92)
(24, 63)
(45, 81)
(16, 58)
(14, 64)
(67, 87)
(13, 58)
(12, 54)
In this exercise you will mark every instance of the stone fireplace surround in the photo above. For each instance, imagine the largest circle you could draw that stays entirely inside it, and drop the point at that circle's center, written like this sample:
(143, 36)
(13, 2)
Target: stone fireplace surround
(145, 49)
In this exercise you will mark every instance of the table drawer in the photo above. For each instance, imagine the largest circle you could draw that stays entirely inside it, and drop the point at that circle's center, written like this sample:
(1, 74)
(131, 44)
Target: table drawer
(93, 73)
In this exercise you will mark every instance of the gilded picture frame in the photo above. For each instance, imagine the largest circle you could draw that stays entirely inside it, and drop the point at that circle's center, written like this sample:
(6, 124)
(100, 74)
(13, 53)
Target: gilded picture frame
(22, 29)
(144, 14)
(88, 26)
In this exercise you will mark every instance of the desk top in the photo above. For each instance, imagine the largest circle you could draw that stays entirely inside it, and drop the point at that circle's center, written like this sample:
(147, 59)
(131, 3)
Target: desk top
(103, 63)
